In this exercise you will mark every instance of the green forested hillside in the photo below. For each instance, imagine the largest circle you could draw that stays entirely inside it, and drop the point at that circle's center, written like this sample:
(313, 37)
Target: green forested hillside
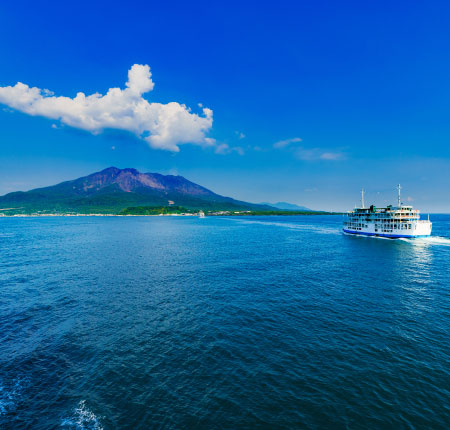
(113, 190)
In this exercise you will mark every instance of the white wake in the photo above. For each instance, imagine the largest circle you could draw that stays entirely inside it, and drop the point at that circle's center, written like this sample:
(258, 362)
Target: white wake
(292, 226)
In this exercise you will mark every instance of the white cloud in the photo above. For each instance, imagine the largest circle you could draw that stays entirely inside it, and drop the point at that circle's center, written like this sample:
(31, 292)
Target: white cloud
(308, 154)
(239, 134)
(162, 126)
(283, 143)
(314, 154)
(224, 148)
(331, 156)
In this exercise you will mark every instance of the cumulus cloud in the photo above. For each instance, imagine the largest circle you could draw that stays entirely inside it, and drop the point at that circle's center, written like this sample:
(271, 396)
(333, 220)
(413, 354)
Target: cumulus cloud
(283, 143)
(239, 134)
(162, 126)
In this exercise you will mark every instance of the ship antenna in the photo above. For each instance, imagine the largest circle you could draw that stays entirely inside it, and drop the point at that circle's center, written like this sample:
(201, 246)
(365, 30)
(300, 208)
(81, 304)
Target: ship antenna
(399, 198)
(362, 198)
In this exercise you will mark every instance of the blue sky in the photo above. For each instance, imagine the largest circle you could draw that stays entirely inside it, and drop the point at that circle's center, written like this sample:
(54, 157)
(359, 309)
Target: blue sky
(357, 92)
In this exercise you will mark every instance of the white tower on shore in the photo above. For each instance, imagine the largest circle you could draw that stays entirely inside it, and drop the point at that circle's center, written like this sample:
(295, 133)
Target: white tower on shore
(399, 198)
(362, 198)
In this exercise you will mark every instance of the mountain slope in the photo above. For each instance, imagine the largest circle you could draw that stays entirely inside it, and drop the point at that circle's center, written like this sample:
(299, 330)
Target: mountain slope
(113, 190)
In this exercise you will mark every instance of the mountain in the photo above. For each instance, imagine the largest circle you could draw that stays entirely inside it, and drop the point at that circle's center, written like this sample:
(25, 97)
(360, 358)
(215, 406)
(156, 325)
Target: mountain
(113, 190)
(287, 206)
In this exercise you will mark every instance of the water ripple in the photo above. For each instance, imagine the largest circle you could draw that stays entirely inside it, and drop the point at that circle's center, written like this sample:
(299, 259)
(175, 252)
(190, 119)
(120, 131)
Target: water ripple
(268, 322)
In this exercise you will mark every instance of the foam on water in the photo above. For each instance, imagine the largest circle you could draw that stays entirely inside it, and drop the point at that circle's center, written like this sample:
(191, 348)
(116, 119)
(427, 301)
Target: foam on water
(292, 226)
(82, 419)
(423, 241)
(418, 241)
(435, 240)
(11, 394)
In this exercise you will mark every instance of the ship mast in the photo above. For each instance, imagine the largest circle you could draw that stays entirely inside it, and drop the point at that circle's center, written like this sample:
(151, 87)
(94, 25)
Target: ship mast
(399, 198)
(362, 198)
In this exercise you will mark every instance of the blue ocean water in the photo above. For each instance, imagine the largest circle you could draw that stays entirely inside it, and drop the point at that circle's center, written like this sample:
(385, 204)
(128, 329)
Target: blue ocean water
(221, 323)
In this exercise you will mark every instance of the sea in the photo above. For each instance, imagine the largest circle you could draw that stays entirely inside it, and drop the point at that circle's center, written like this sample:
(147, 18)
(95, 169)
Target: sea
(221, 323)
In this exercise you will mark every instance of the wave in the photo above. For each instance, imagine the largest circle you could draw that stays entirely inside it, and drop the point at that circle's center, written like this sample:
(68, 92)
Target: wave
(420, 241)
(11, 394)
(431, 240)
(82, 419)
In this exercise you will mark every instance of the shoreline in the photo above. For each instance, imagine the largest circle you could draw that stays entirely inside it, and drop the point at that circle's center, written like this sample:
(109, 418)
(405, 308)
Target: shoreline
(160, 215)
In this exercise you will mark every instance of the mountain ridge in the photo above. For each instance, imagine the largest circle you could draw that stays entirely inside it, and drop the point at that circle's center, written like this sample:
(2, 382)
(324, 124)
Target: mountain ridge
(112, 190)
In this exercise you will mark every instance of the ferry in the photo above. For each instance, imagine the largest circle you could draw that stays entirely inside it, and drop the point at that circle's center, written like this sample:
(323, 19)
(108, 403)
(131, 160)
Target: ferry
(391, 221)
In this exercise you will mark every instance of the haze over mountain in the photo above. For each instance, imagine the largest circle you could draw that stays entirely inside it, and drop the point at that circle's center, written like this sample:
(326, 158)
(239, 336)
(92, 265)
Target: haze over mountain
(112, 190)
(287, 206)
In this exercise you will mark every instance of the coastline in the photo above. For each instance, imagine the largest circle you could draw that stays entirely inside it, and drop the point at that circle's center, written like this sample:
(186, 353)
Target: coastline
(165, 215)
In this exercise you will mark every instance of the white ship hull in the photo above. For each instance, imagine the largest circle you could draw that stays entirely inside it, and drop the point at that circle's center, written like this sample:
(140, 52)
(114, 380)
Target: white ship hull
(422, 230)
